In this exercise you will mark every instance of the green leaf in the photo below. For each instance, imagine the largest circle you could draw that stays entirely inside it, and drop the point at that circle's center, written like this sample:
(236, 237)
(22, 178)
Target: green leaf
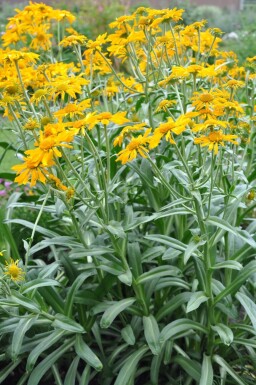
(221, 223)
(169, 241)
(129, 367)
(114, 310)
(243, 341)
(249, 307)
(85, 377)
(65, 323)
(155, 368)
(23, 326)
(192, 367)
(128, 335)
(152, 334)
(47, 363)
(191, 248)
(158, 272)
(86, 353)
(243, 275)
(228, 265)
(47, 342)
(219, 360)
(30, 225)
(27, 303)
(70, 378)
(224, 332)
(39, 282)
(126, 277)
(173, 304)
(196, 300)
(52, 298)
(73, 290)
(178, 326)
(207, 372)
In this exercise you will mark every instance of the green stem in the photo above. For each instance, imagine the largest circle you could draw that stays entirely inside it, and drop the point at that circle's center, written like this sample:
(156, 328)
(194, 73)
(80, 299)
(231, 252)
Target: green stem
(34, 230)
(108, 154)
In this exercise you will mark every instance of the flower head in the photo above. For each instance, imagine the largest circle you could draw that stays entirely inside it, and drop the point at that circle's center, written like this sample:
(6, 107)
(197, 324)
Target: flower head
(15, 273)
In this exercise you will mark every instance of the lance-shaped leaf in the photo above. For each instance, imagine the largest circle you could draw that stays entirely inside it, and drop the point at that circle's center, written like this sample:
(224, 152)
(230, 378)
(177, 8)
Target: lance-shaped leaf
(152, 334)
(219, 360)
(158, 272)
(195, 300)
(65, 323)
(129, 368)
(47, 363)
(233, 287)
(224, 332)
(128, 335)
(235, 265)
(221, 223)
(249, 307)
(179, 326)
(207, 372)
(86, 353)
(47, 342)
(112, 312)
(19, 334)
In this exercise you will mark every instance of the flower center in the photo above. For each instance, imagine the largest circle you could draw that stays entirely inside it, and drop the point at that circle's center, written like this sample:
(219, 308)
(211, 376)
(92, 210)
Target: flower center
(206, 98)
(215, 136)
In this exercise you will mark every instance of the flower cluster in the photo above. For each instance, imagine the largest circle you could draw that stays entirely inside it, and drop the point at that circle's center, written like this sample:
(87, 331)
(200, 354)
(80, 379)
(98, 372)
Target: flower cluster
(168, 91)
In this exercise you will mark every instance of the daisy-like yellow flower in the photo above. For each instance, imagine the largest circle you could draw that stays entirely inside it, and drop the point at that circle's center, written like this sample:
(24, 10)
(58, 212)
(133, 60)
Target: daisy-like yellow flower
(41, 39)
(96, 44)
(165, 104)
(67, 85)
(31, 124)
(178, 73)
(135, 147)
(126, 131)
(105, 118)
(209, 123)
(234, 84)
(47, 147)
(73, 109)
(214, 139)
(71, 40)
(14, 56)
(39, 95)
(14, 271)
(29, 171)
(168, 128)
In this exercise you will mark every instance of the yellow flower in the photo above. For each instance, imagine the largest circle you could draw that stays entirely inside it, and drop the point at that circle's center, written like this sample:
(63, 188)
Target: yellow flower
(73, 40)
(68, 85)
(14, 56)
(209, 123)
(73, 109)
(166, 129)
(29, 171)
(105, 118)
(127, 130)
(16, 273)
(41, 39)
(135, 147)
(214, 139)
(31, 124)
(234, 84)
(39, 95)
(47, 147)
(165, 104)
